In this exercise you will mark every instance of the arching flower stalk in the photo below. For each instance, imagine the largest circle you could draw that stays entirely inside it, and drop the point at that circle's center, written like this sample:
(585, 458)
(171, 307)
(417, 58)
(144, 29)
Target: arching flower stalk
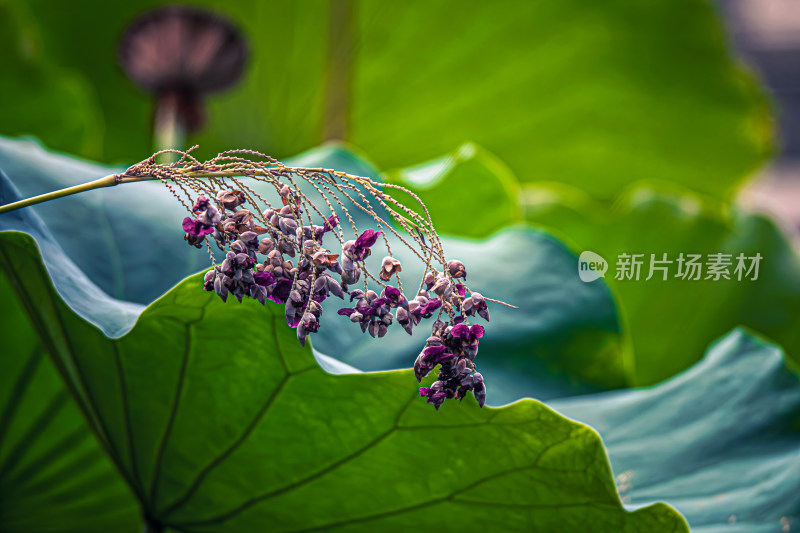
(301, 245)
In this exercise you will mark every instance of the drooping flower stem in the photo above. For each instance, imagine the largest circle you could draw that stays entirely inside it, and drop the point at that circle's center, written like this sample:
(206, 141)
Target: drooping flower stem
(278, 251)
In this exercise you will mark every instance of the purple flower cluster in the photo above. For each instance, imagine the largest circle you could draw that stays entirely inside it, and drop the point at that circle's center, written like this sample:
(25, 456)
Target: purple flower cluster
(197, 228)
(298, 273)
(453, 348)
(355, 251)
(301, 285)
(475, 304)
(372, 312)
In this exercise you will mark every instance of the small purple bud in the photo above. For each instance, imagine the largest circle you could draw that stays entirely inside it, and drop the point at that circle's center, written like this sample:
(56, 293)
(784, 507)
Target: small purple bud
(201, 205)
(230, 199)
(437, 399)
(259, 293)
(351, 277)
(433, 340)
(479, 306)
(389, 266)
(250, 240)
(265, 279)
(291, 314)
(432, 352)
(266, 246)
(331, 222)
(404, 320)
(310, 322)
(220, 288)
(441, 286)
(421, 367)
(321, 284)
(296, 298)
(208, 280)
(238, 247)
(480, 393)
(373, 328)
(335, 288)
(457, 269)
(356, 294)
(347, 263)
(287, 225)
(301, 335)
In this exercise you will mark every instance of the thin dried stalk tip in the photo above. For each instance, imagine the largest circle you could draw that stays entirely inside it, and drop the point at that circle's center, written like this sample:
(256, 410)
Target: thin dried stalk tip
(277, 248)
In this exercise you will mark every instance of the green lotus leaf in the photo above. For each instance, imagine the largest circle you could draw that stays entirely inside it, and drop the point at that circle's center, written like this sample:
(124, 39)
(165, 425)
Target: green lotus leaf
(54, 474)
(220, 422)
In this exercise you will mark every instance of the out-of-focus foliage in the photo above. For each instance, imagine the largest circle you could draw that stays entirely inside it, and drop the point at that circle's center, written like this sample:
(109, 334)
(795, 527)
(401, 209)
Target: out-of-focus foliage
(594, 94)
(217, 431)
(719, 441)
(476, 206)
(40, 97)
(670, 322)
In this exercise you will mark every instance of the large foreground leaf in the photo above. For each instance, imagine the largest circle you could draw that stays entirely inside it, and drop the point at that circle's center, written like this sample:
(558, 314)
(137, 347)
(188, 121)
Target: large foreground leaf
(565, 338)
(54, 475)
(221, 422)
(720, 441)
(595, 94)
